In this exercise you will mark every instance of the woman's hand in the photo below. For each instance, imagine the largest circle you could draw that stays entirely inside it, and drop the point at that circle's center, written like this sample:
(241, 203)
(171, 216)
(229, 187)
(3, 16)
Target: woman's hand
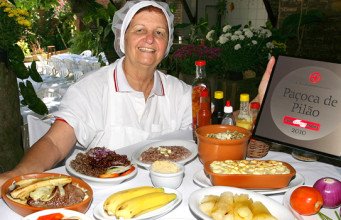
(265, 80)
(5, 176)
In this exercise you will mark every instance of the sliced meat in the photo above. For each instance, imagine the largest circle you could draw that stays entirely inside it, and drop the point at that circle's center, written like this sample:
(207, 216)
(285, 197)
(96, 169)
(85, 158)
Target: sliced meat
(73, 195)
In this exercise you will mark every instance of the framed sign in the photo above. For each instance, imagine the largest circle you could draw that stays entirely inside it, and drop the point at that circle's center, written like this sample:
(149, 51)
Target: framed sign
(302, 106)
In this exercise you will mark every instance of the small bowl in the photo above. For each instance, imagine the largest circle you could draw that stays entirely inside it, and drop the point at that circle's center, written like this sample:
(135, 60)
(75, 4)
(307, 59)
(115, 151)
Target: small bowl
(168, 180)
(25, 210)
(250, 181)
(215, 149)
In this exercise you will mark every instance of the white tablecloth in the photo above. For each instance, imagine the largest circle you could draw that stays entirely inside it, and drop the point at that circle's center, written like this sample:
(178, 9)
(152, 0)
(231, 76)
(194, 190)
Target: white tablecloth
(311, 171)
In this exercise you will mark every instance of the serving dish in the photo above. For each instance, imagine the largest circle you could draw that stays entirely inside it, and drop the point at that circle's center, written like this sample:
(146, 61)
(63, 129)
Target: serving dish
(251, 181)
(275, 208)
(24, 209)
(190, 145)
(95, 181)
(286, 202)
(65, 212)
(202, 180)
(99, 212)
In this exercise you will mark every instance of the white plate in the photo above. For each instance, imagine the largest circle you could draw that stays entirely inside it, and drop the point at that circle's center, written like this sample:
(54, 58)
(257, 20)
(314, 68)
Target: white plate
(98, 182)
(202, 180)
(328, 212)
(65, 212)
(276, 209)
(190, 145)
(99, 212)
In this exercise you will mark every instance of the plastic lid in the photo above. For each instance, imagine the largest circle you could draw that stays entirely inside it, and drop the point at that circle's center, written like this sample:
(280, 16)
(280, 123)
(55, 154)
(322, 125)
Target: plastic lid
(228, 108)
(255, 105)
(200, 63)
(244, 97)
(218, 94)
(204, 93)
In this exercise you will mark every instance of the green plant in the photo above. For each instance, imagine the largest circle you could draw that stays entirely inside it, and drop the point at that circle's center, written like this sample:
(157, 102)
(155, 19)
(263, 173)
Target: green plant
(294, 28)
(13, 23)
(24, 47)
(96, 34)
(52, 23)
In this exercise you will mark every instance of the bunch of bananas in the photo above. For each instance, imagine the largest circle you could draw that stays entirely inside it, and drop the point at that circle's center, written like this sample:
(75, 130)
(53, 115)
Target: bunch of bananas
(136, 201)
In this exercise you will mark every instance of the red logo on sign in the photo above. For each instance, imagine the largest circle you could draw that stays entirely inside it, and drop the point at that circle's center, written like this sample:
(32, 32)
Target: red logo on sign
(301, 123)
(315, 77)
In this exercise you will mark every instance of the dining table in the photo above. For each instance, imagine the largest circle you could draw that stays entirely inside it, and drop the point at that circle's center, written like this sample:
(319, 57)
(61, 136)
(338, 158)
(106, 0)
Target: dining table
(310, 171)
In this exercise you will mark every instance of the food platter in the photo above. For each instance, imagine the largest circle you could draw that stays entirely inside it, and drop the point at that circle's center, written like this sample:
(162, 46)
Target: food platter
(286, 202)
(49, 179)
(276, 209)
(67, 214)
(98, 182)
(99, 212)
(202, 180)
(190, 145)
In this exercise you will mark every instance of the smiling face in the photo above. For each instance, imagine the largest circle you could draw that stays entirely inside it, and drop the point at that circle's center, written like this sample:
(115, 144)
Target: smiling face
(146, 38)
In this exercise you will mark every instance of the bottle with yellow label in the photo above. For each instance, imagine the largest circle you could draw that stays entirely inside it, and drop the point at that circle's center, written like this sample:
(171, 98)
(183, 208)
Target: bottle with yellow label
(244, 118)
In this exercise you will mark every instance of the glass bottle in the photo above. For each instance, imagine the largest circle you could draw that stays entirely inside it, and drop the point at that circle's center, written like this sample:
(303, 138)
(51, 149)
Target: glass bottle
(204, 113)
(228, 118)
(218, 113)
(200, 82)
(254, 109)
(244, 118)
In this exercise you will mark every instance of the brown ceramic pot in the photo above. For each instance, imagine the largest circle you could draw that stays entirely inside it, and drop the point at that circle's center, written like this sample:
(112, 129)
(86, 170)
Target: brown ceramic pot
(214, 149)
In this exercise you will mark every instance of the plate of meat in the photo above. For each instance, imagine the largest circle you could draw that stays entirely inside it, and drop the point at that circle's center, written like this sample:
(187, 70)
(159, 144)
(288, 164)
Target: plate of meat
(100, 166)
(179, 151)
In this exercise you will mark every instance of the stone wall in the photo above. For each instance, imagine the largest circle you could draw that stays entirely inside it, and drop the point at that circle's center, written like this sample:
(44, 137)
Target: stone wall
(320, 41)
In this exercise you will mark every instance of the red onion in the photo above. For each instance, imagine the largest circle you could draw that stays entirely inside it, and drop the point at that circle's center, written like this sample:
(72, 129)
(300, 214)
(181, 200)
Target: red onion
(330, 189)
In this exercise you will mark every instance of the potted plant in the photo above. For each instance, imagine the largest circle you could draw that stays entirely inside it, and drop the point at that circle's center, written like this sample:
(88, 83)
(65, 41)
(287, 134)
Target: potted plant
(243, 48)
(186, 55)
(245, 51)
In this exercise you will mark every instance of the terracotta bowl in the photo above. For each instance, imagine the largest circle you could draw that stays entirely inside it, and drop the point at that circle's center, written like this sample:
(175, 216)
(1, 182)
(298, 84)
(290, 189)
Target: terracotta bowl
(24, 210)
(215, 149)
(250, 181)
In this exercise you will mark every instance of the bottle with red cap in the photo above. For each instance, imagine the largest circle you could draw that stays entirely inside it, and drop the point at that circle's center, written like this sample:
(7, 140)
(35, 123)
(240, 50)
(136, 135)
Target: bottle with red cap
(228, 118)
(254, 109)
(204, 113)
(199, 84)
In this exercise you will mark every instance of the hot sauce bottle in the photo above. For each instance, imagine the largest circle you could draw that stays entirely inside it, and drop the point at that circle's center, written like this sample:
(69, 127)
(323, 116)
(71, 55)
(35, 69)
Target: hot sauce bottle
(199, 84)
(204, 113)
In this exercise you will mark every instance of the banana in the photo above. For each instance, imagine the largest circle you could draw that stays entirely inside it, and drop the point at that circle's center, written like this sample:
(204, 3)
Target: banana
(142, 204)
(23, 192)
(112, 202)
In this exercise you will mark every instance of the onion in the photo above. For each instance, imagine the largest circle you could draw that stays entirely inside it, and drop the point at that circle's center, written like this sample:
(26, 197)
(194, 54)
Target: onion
(330, 189)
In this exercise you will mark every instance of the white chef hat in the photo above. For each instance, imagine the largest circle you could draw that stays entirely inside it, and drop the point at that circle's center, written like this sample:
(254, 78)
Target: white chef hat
(123, 17)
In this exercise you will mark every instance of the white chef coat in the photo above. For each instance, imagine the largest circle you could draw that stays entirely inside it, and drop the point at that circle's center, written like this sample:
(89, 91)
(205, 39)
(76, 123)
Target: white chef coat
(105, 111)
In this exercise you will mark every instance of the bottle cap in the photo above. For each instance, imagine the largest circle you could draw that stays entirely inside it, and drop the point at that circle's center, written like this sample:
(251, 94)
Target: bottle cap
(244, 97)
(204, 93)
(255, 105)
(200, 63)
(218, 94)
(228, 108)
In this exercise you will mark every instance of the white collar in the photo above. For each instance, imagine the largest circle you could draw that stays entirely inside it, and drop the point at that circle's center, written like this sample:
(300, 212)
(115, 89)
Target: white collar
(121, 84)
